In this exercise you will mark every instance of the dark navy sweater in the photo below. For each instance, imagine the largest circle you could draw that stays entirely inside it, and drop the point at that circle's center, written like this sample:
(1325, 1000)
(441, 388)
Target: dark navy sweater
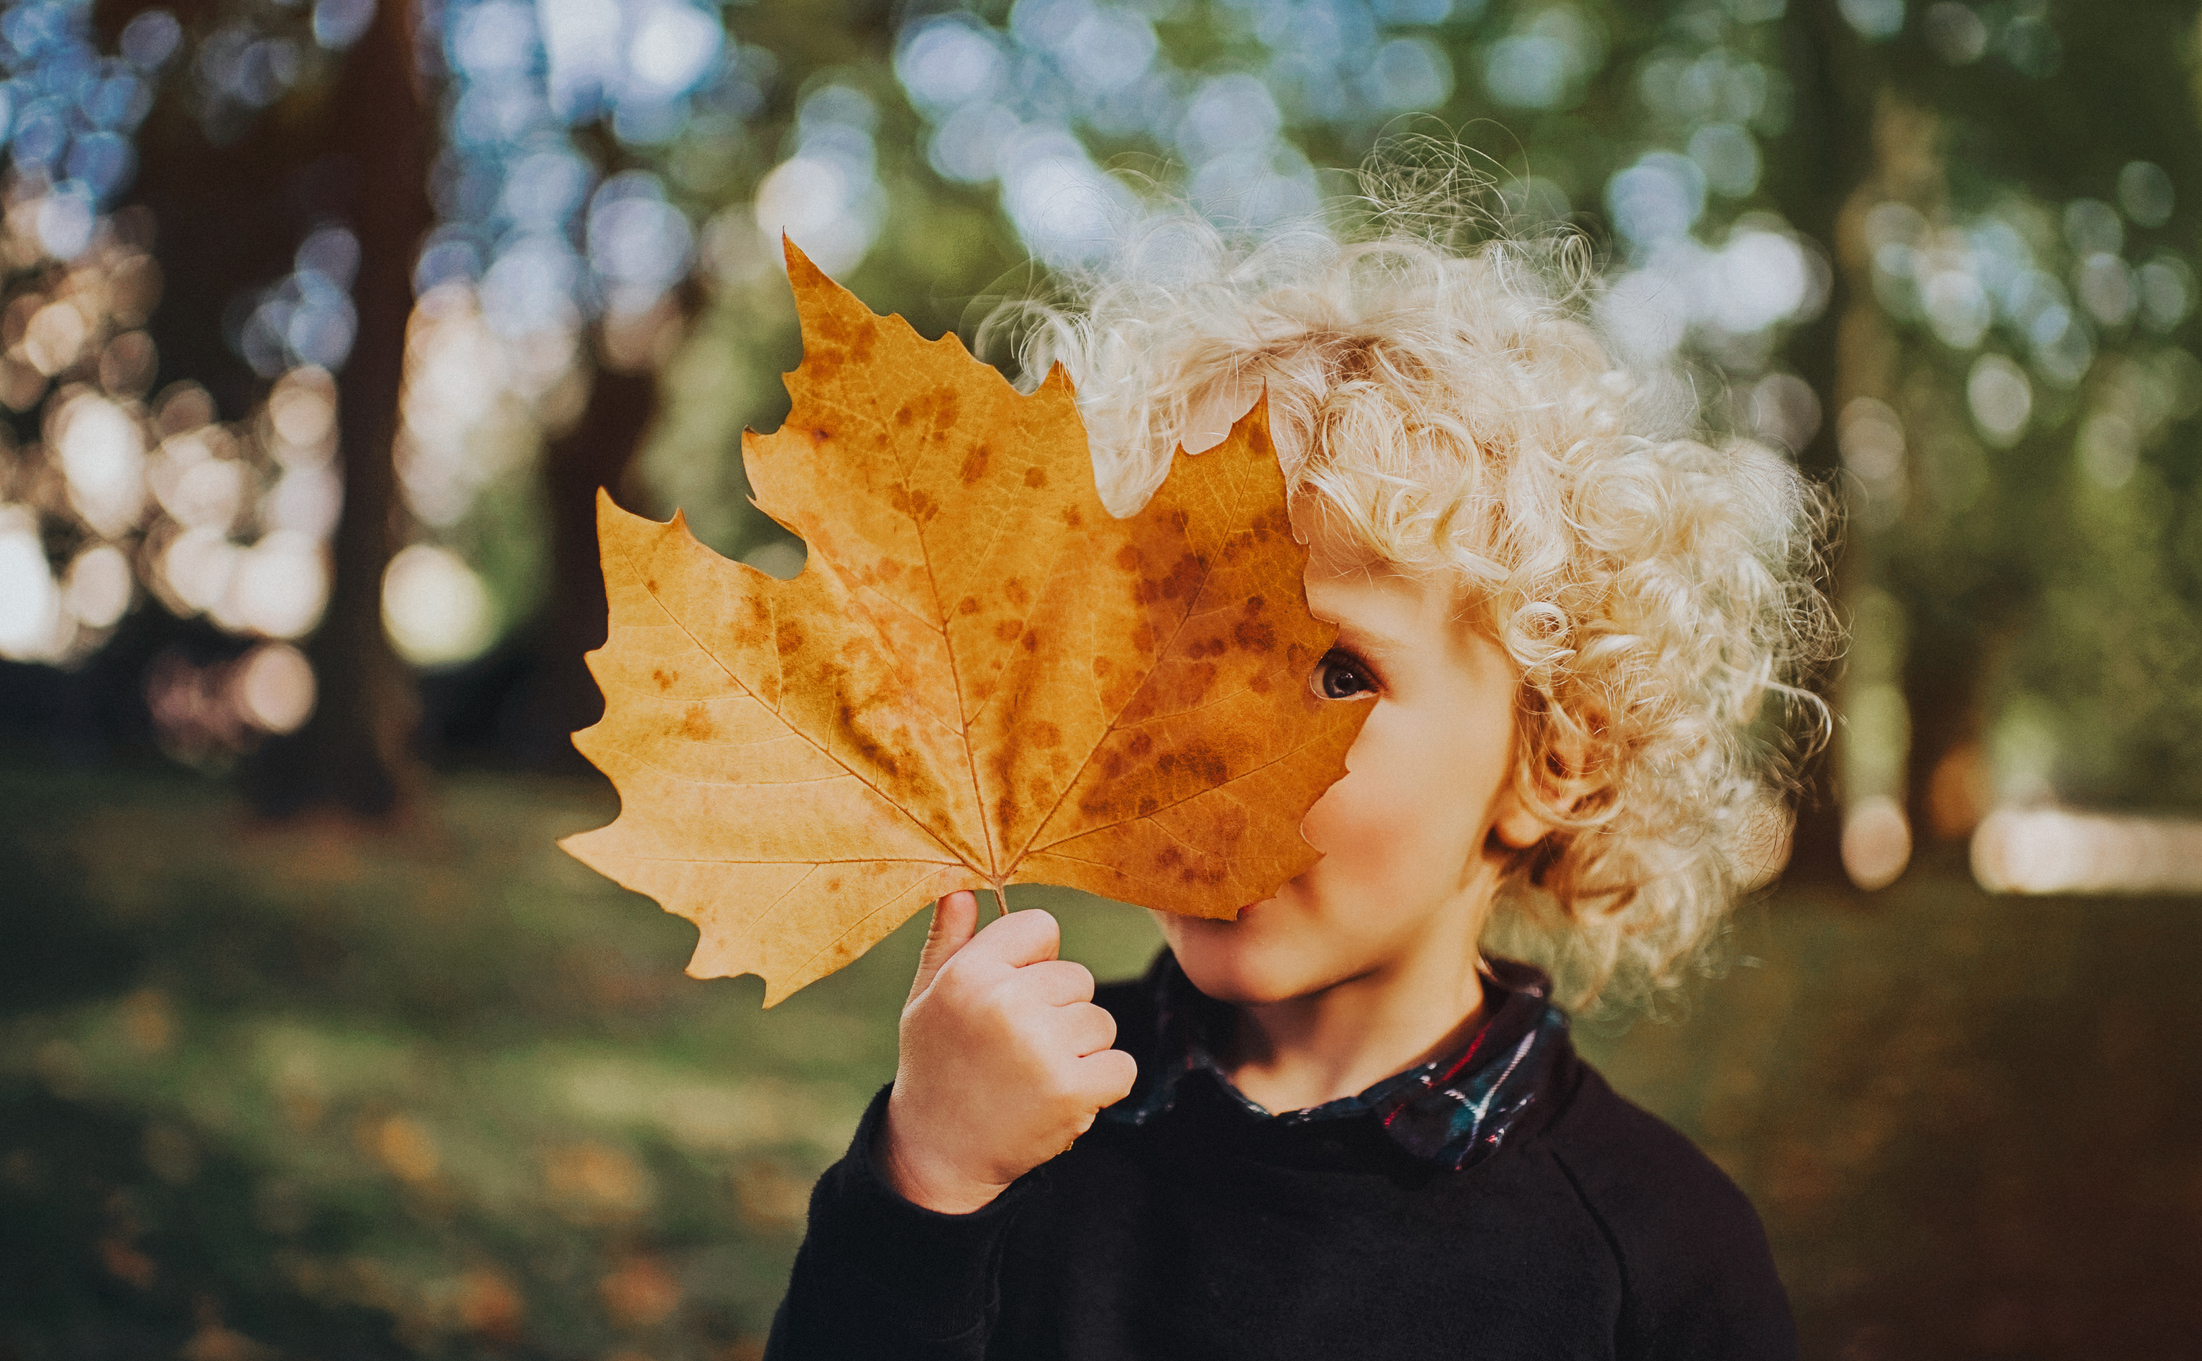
(1212, 1232)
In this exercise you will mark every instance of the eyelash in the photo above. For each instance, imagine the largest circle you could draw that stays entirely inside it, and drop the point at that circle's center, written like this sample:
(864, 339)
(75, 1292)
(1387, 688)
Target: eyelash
(1339, 657)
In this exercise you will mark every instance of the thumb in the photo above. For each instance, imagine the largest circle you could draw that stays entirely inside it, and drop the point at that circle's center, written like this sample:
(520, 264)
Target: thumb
(955, 921)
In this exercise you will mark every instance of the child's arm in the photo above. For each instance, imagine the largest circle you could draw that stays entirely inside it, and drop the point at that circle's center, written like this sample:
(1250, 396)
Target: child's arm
(1005, 1061)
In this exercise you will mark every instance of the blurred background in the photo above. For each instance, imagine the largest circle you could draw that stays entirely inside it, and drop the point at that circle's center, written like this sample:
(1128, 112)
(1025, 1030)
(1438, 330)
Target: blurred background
(324, 319)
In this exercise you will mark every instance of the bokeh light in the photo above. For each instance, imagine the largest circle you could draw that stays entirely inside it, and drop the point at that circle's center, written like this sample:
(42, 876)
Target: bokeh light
(2055, 850)
(274, 688)
(826, 196)
(32, 624)
(436, 609)
(1876, 844)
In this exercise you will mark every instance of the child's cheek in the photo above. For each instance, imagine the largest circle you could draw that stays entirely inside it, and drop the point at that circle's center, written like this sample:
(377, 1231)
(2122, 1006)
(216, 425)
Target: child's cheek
(1354, 822)
(1406, 819)
(1370, 825)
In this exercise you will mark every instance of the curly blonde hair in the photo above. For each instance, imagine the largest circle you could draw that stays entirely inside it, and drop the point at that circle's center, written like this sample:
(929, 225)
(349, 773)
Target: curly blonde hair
(1456, 412)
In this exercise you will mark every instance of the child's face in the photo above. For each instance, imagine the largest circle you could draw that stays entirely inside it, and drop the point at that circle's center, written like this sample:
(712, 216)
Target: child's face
(1415, 836)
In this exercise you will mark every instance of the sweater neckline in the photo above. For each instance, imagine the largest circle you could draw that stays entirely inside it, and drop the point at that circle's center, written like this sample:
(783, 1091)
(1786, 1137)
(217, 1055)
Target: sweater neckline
(1451, 1112)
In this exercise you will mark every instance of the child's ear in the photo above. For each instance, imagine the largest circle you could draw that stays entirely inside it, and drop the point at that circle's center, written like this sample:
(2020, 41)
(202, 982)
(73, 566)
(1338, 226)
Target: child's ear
(1518, 826)
(1554, 781)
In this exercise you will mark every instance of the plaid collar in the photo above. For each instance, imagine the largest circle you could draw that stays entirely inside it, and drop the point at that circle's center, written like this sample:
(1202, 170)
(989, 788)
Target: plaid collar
(1453, 1112)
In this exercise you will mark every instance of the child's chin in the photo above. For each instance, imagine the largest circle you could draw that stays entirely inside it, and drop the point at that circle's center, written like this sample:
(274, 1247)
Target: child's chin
(1234, 966)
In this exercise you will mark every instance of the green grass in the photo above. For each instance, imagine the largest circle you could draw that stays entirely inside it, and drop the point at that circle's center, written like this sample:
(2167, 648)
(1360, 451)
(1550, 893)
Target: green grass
(442, 1091)
(435, 1090)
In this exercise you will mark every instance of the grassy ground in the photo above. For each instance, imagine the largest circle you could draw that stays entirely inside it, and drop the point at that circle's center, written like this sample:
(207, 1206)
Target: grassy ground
(444, 1092)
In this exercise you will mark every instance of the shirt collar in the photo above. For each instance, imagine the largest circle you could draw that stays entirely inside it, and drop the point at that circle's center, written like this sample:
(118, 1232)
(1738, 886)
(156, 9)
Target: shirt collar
(1453, 1111)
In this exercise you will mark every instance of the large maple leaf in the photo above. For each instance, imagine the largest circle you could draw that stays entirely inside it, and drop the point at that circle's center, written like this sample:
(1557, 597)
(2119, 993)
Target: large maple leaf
(979, 678)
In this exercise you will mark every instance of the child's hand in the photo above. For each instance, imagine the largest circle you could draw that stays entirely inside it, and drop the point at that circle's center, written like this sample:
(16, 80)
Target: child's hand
(1005, 1059)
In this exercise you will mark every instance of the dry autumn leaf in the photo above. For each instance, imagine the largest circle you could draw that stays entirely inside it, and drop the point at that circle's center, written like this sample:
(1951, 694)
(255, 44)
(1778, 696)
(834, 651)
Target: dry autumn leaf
(980, 677)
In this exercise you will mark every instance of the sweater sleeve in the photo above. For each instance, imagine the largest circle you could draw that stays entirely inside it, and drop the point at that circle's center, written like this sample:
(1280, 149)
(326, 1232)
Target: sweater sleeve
(878, 1276)
(1700, 1279)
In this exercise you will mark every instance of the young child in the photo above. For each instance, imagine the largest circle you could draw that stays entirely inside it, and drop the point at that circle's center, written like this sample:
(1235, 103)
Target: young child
(1333, 1128)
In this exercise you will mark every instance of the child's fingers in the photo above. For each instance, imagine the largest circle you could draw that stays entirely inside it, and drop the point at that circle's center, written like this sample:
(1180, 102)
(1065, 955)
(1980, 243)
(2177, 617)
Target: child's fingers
(1056, 982)
(955, 920)
(1106, 1076)
(1020, 938)
(1085, 1028)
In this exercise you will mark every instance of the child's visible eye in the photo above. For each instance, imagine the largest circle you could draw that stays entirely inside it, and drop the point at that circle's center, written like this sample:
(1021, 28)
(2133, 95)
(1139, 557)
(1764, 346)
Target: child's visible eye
(1342, 675)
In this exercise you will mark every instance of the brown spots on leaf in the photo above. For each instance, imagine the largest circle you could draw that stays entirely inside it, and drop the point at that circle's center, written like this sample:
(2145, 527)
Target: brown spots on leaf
(1072, 519)
(1019, 594)
(696, 724)
(1171, 860)
(1031, 641)
(1255, 635)
(787, 639)
(1128, 559)
(1102, 666)
(1197, 760)
(1185, 868)
(918, 505)
(664, 678)
(833, 885)
(856, 747)
(1007, 631)
(651, 585)
(1035, 477)
(1182, 583)
(854, 336)
(1185, 577)
(1044, 735)
(968, 605)
(974, 466)
(1140, 745)
(903, 415)
(1259, 682)
(1143, 638)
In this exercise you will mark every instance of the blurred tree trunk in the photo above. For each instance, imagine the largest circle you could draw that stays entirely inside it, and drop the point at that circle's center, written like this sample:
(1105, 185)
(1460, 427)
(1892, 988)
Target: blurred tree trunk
(356, 752)
(557, 697)
(1815, 173)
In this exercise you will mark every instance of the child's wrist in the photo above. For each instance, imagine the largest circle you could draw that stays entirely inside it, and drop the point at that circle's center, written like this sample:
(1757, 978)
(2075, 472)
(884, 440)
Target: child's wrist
(926, 1184)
